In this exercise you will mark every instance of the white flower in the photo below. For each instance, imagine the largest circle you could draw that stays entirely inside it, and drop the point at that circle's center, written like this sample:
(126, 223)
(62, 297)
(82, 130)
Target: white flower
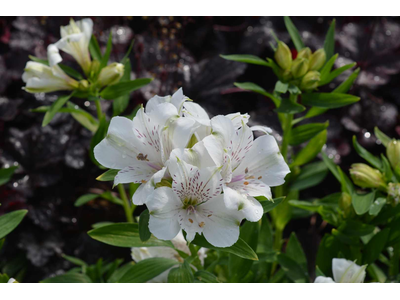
(344, 271)
(75, 39)
(12, 280)
(194, 204)
(249, 167)
(179, 242)
(140, 148)
(40, 78)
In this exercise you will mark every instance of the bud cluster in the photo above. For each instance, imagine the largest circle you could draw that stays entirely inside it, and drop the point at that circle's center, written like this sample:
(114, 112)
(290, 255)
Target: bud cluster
(304, 70)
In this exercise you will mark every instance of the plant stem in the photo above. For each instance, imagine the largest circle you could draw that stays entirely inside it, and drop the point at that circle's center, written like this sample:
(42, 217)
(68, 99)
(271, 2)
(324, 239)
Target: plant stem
(98, 108)
(124, 198)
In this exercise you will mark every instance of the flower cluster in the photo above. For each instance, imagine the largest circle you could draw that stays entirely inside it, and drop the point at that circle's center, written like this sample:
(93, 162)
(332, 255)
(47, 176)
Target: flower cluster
(49, 76)
(197, 174)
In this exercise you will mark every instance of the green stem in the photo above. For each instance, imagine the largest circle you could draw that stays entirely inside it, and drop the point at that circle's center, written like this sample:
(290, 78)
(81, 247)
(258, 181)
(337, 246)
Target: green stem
(276, 246)
(126, 206)
(98, 108)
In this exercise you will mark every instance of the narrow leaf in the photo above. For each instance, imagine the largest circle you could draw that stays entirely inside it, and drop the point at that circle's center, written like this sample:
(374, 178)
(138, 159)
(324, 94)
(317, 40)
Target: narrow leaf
(328, 100)
(54, 108)
(329, 44)
(10, 221)
(382, 137)
(246, 58)
(294, 34)
(303, 133)
(144, 232)
(122, 88)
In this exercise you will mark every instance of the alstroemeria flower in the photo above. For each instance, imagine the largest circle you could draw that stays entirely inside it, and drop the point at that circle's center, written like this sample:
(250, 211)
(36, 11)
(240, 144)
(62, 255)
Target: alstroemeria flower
(179, 242)
(75, 39)
(40, 78)
(344, 271)
(12, 280)
(140, 148)
(194, 204)
(249, 167)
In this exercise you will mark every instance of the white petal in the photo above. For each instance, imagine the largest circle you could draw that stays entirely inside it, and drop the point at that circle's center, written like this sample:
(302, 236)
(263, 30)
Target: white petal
(11, 280)
(249, 207)
(142, 253)
(64, 44)
(162, 113)
(147, 134)
(137, 172)
(221, 228)
(251, 187)
(143, 192)
(53, 55)
(263, 129)
(322, 279)
(119, 148)
(86, 26)
(222, 127)
(197, 155)
(163, 206)
(177, 99)
(195, 111)
(264, 159)
(158, 176)
(153, 102)
(238, 119)
(345, 271)
(240, 143)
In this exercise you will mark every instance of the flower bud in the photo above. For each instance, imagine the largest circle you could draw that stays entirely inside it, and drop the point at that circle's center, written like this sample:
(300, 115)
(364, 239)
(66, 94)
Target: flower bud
(83, 85)
(367, 177)
(310, 81)
(304, 53)
(94, 68)
(283, 56)
(317, 59)
(299, 67)
(393, 154)
(111, 74)
(345, 203)
(394, 192)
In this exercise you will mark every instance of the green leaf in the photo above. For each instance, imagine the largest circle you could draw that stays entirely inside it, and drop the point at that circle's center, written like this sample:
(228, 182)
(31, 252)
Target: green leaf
(328, 100)
(292, 269)
(6, 174)
(303, 133)
(335, 73)
(382, 137)
(206, 277)
(289, 107)
(54, 108)
(121, 103)
(310, 175)
(313, 112)
(311, 150)
(181, 274)
(373, 160)
(362, 203)
(68, 278)
(294, 250)
(294, 33)
(375, 246)
(83, 117)
(240, 248)
(122, 88)
(345, 86)
(101, 224)
(124, 235)
(108, 175)
(376, 206)
(74, 260)
(239, 267)
(387, 170)
(329, 44)
(355, 228)
(326, 69)
(375, 272)
(246, 58)
(328, 249)
(144, 232)
(249, 86)
(265, 238)
(120, 272)
(281, 87)
(126, 56)
(331, 166)
(106, 56)
(147, 269)
(269, 205)
(85, 199)
(10, 221)
(94, 49)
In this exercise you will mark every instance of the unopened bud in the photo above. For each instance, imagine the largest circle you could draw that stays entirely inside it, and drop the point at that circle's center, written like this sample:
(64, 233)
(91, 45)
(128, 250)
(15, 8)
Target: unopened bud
(283, 56)
(304, 53)
(393, 154)
(83, 85)
(367, 177)
(310, 81)
(299, 67)
(111, 74)
(317, 59)
(94, 68)
(345, 203)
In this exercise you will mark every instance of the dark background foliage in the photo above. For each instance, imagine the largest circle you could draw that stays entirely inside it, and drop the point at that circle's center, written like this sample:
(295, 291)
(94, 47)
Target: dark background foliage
(54, 166)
